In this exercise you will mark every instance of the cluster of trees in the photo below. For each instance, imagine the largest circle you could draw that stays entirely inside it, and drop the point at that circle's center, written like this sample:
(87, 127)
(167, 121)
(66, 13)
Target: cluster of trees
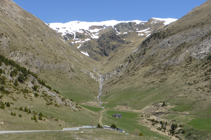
(18, 67)
(24, 73)
(3, 90)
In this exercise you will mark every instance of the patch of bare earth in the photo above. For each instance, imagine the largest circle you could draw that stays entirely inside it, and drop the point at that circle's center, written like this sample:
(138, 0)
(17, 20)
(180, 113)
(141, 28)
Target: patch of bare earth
(151, 119)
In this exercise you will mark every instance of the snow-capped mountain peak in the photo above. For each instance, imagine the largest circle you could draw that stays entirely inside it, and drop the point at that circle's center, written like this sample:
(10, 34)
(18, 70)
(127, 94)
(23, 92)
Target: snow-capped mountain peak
(79, 26)
(79, 32)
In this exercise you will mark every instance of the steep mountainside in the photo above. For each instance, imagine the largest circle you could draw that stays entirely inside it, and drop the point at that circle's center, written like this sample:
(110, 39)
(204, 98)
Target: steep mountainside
(30, 42)
(27, 102)
(172, 66)
(155, 73)
(108, 41)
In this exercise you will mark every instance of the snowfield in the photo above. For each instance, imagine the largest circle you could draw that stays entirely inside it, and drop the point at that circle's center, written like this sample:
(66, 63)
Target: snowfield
(92, 29)
(79, 26)
(82, 26)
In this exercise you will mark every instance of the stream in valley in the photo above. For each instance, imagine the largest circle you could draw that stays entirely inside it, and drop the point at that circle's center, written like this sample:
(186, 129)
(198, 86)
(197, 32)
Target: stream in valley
(100, 80)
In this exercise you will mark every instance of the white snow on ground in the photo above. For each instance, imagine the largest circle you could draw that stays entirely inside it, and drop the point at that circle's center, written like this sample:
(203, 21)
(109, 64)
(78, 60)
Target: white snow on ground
(87, 39)
(79, 26)
(143, 30)
(148, 35)
(80, 41)
(140, 34)
(79, 46)
(95, 30)
(166, 20)
(95, 36)
(117, 33)
(85, 53)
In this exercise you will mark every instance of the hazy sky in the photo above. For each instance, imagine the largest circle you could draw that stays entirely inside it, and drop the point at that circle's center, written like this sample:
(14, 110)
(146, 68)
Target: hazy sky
(100, 10)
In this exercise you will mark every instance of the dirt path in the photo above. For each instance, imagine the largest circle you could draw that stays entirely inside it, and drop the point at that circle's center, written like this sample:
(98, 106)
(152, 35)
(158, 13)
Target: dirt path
(101, 116)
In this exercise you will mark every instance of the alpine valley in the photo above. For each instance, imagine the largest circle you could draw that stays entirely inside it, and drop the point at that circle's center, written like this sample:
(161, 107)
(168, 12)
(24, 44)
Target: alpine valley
(154, 75)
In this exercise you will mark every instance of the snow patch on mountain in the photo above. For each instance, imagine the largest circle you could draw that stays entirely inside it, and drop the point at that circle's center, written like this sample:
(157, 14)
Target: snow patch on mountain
(85, 53)
(79, 26)
(167, 21)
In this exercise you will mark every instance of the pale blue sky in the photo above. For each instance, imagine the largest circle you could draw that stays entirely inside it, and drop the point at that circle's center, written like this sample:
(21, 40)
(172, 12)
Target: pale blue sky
(100, 10)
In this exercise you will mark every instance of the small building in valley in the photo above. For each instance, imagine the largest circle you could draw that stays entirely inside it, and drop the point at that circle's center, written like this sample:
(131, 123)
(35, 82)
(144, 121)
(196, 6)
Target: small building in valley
(117, 115)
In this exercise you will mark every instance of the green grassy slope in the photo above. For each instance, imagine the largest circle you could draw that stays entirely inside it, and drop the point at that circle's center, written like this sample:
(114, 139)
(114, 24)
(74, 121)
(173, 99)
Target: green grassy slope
(172, 66)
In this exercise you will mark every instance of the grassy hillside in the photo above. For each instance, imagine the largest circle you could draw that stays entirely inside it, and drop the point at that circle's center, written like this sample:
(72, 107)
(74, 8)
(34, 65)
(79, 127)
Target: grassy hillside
(171, 66)
(27, 102)
(31, 43)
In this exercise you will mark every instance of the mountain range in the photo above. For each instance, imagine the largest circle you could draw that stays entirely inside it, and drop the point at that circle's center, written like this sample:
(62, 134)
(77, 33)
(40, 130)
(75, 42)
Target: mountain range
(155, 73)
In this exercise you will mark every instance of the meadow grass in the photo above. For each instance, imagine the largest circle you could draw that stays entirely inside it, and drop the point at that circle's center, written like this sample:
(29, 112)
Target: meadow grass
(85, 134)
(95, 109)
(201, 123)
(130, 123)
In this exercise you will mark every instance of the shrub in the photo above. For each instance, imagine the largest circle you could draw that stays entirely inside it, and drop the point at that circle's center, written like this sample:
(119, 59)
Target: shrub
(40, 118)
(2, 89)
(174, 126)
(141, 134)
(25, 90)
(36, 95)
(35, 87)
(16, 82)
(26, 109)
(34, 118)
(164, 104)
(189, 134)
(21, 108)
(13, 114)
(48, 87)
(3, 80)
(99, 126)
(8, 104)
(41, 82)
(13, 73)
(21, 78)
(56, 91)
(2, 105)
(181, 125)
(183, 131)
(20, 115)
(113, 126)
(41, 115)
(56, 119)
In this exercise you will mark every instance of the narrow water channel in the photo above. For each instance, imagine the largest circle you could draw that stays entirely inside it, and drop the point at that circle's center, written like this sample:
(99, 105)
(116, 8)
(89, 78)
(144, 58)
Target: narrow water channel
(100, 80)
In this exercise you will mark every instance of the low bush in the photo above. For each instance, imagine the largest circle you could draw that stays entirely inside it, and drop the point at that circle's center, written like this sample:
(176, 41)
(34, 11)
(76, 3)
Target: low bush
(35, 87)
